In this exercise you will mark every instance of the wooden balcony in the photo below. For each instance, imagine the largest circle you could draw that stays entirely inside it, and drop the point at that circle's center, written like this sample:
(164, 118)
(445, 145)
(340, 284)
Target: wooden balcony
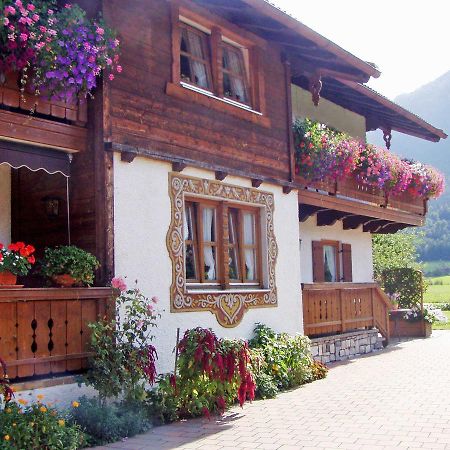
(331, 308)
(45, 331)
(36, 120)
(359, 204)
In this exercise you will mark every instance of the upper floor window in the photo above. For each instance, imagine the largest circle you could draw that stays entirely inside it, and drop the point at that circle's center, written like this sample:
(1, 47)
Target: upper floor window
(195, 66)
(215, 257)
(235, 81)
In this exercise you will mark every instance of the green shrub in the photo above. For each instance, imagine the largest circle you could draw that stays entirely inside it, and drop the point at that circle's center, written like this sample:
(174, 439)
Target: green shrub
(211, 375)
(105, 423)
(265, 386)
(69, 260)
(287, 358)
(37, 427)
(124, 360)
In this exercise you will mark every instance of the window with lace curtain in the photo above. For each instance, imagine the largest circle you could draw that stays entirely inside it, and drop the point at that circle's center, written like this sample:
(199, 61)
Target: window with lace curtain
(222, 244)
(235, 84)
(195, 61)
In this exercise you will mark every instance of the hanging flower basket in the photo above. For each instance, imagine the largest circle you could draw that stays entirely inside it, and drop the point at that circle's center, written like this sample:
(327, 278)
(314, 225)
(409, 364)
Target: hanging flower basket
(59, 52)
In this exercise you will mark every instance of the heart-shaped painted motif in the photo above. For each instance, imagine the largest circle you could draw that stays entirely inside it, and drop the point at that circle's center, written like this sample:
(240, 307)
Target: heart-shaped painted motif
(231, 305)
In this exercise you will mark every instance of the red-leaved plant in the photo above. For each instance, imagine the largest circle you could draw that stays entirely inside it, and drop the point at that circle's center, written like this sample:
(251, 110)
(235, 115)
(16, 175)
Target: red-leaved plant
(5, 388)
(212, 374)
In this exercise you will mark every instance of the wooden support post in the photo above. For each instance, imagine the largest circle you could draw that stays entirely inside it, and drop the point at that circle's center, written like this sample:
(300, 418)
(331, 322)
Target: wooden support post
(341, 306)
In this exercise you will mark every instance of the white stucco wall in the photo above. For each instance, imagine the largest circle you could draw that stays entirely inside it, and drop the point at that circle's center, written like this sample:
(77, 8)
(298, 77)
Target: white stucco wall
(142, 218)
(328, 113)
(362, 262)
(5, 204)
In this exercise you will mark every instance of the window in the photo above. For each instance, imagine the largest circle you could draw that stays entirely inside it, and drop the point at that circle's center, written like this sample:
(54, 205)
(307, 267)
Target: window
(221, 242)
(195, 65)
(332, 262)
(235, 85)
(205, 241)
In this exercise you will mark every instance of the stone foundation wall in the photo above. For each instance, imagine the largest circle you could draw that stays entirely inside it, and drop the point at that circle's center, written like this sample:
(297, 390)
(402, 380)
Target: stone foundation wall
(345, 346)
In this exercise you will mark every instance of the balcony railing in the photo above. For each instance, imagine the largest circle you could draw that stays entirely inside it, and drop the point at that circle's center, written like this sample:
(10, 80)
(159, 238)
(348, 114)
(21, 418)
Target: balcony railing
(45, 331)
(353, 189)
(339, 307)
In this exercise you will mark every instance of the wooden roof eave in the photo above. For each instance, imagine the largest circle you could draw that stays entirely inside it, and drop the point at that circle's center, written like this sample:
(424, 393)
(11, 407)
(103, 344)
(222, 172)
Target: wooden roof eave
(268, 9)
(435, 133)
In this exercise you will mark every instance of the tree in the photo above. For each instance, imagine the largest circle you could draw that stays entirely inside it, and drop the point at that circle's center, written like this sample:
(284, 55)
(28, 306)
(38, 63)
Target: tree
(394, 251)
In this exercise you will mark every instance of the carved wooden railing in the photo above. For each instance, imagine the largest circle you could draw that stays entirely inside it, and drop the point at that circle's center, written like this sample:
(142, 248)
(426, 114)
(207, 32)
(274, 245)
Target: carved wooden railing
(353, 189)
(45, 331)
(340, 307)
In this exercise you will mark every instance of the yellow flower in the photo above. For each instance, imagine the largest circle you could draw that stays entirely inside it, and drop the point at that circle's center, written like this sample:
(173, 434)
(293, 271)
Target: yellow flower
(40, 397)
(43, 409)
(31, 424)
(61, 422)
(14, 424)
(7, 438)
(23, 401)
(75, 404)
(8, 410)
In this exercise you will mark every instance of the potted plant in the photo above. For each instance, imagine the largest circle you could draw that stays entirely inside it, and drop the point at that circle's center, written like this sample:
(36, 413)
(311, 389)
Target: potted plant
(69, 266)
(15, 260)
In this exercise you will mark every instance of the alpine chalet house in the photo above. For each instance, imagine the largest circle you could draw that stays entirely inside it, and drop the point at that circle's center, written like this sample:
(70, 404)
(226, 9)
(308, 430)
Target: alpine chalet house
(183, 173)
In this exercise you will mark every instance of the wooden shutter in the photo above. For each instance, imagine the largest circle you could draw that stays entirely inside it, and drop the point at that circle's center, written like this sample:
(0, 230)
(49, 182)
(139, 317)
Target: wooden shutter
(347, 263)
(317, 261)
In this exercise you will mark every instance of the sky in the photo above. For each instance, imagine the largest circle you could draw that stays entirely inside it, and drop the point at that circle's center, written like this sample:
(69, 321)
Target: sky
(409, 41)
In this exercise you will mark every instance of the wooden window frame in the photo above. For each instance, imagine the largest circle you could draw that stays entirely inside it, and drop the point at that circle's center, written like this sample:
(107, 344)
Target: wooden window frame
(340, 269)
(222, 245)
(245, 78)
(206, 51)
(221, 33)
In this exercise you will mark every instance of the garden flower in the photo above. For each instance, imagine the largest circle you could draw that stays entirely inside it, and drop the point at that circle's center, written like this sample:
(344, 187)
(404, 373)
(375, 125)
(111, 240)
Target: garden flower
(7, 437)
(75, 404)
(40, 396)
(119, 283)
(23, 401)
(43, 409)
(61, 422)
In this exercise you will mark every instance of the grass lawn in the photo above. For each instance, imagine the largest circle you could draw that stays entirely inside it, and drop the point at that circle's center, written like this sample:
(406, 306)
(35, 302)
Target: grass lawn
(443, 326)
(438, 293)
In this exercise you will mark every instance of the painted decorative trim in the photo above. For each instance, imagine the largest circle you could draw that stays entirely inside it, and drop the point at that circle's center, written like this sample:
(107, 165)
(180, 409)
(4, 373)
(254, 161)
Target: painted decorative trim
(228, 306)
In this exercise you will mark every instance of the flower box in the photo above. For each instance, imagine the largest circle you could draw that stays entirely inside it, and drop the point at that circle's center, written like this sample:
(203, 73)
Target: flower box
(400, 327)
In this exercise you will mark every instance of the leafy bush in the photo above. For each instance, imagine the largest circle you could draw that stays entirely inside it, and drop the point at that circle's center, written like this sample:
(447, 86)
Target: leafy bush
(69, 260)
(37, 427)
(288, 359)
(124, 360)
(211, 374)
(265, 386)
(109, 423)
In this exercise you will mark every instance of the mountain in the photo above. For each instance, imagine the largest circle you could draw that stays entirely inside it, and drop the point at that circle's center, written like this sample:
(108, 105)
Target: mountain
(432, 103)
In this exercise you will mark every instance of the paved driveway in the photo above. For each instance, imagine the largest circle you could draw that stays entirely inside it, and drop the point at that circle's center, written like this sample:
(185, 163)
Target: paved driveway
(396, 398)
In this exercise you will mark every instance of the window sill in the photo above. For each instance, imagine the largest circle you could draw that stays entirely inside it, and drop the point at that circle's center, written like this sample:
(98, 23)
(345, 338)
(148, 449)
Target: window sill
(185, 91)
(228, 291)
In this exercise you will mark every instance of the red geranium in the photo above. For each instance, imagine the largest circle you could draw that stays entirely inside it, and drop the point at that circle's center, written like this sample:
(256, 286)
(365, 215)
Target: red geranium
(17, 258)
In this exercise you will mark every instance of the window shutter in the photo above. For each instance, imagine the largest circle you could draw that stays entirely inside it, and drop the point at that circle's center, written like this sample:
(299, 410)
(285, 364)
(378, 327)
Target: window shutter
(347, 263)
(317, 261)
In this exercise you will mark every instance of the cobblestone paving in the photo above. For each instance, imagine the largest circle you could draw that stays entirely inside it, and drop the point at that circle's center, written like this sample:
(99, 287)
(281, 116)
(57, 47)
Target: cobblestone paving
(396, 398)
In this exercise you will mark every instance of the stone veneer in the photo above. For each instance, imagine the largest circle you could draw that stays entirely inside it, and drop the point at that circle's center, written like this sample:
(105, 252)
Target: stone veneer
(345, 346)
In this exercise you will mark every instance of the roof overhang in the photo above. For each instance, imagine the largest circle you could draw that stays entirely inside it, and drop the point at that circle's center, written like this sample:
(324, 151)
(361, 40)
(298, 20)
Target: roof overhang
(316, 53)
(379, 111)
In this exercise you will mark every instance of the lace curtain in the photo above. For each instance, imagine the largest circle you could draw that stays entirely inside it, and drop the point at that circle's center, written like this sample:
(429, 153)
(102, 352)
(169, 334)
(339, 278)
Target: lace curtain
(209, 236)
(329, 258)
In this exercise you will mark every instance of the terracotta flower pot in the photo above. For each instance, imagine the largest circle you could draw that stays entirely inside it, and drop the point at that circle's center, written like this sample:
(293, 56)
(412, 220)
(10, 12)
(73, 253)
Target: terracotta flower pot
(7, 278)
(65, 280)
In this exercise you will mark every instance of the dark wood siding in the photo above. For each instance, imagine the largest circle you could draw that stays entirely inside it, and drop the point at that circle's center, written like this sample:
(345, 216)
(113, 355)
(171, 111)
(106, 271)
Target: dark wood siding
(144, 116)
